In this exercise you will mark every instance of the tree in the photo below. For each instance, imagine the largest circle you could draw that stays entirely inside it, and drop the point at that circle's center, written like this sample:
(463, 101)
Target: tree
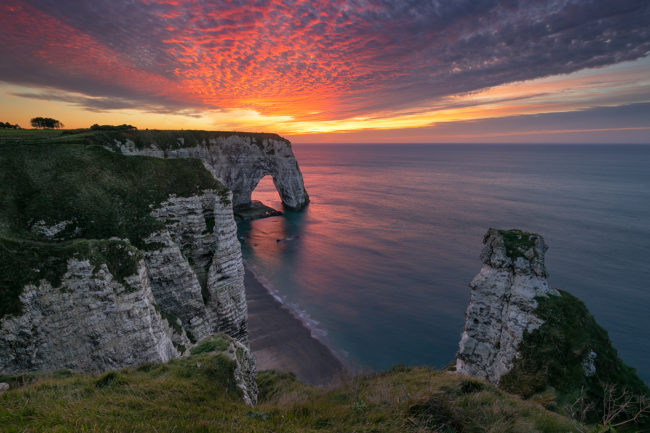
(46, 122)
(123, 127)
(7, 125)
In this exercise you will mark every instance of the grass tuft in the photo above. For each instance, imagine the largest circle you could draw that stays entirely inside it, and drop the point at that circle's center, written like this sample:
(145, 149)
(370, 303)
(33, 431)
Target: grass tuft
(109, 379)
(517, 242)
(212, 344)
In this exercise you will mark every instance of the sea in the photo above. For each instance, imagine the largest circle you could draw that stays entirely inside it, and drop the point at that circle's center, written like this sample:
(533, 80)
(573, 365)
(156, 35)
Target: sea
(378, 264)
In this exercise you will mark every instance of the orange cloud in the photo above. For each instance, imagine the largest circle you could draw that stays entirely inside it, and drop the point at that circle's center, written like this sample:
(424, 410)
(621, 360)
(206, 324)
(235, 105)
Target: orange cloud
(305, 67)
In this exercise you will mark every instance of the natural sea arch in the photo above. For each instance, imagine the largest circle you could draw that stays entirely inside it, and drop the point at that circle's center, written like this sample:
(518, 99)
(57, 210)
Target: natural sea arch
(266, 192)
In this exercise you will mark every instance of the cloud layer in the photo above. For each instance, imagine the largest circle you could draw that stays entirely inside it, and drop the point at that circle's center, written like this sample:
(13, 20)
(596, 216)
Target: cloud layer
(313, 60)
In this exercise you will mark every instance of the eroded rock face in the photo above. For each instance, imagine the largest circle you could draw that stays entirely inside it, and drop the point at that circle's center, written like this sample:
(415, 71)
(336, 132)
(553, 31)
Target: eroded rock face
(196, 271)
(502, 303)
(189, 285)
(104, 302)
(245, 371)
(240, 162)
(90, 323)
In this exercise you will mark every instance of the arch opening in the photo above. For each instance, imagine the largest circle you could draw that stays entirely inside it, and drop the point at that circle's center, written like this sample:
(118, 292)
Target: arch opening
(264, 201)
(266, 192)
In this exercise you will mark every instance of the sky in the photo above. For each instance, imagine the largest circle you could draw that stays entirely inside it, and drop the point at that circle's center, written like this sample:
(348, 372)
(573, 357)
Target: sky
(335, 71)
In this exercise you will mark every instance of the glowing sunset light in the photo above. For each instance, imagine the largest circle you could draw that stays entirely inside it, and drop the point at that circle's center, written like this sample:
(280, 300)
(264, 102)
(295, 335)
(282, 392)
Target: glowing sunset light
(301, 68)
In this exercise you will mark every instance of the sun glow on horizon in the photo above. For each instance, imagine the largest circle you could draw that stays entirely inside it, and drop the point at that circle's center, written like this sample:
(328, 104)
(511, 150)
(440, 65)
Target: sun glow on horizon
(305, 69)
(608, 86)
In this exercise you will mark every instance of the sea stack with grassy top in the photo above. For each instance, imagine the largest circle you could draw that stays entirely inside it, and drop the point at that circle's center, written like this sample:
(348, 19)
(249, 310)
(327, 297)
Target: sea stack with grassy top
(503, 299)
(533, 340)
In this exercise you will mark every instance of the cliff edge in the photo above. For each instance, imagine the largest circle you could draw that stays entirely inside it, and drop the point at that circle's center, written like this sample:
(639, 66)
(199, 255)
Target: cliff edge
(110, 261)
(238, 160)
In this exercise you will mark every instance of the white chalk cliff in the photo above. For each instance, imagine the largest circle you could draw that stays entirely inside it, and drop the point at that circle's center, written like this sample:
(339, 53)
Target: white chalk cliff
(502, 303)
(196, 272)
(91, 322)
(188, 286)
(240, 161)
(187, 276)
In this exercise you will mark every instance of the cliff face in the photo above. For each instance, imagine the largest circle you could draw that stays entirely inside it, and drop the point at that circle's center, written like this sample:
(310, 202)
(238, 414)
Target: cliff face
(91, 322)
(110, 261)
(502, 303)
(197, 273)
(188, 285)
(239, 161)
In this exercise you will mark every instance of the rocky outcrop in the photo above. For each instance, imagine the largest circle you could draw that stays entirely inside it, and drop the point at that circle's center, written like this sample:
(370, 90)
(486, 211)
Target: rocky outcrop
(532, 340)
(239, 357)
(118, 260)
(245, 370)
(196, 270)
(92, 322)
(502, 303)
(240, 161)
(189, 285)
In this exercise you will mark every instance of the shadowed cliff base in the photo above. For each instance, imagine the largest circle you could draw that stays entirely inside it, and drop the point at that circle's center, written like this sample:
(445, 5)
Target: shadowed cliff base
(281, 342)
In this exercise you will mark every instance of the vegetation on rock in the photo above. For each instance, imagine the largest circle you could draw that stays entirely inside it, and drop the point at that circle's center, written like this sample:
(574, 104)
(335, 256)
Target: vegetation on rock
(570, 357)
(123, 127)
(517, 242)
(210, 345)
(66, 197)
(170, 140)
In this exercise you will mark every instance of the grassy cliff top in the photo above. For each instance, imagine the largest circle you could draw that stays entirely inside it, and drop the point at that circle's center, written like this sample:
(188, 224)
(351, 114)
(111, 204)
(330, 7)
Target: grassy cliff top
(196, 394)
(164, 139)
(98, 201)
(517, 242)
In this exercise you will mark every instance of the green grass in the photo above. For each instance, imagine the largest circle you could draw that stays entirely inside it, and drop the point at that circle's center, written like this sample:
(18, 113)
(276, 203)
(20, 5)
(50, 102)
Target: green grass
(169, 140)
(552, 355)
(215, 343)
(517, 242)
(30, 133)
(104, 195)
(172, 320)
(197, 394)
(164, 139)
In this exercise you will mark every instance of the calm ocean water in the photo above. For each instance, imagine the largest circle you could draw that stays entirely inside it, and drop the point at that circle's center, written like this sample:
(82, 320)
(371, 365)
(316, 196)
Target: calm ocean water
(380, 260)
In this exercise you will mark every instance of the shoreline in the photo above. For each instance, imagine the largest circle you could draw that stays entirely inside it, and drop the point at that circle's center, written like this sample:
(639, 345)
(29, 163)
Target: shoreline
(281, 341)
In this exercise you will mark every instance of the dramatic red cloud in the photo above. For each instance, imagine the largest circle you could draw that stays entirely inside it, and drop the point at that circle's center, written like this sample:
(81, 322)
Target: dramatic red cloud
(311, 60)
(313, 65)
(41, 41)
(275, 58)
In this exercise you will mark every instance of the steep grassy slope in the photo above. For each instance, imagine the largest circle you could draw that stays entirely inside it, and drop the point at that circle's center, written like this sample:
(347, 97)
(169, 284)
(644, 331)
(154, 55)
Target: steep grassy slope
(101, 198)
(553, 359)
(196, 394)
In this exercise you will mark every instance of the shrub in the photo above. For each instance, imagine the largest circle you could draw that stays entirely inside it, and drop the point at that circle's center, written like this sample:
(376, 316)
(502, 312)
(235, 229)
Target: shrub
(46, 122)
